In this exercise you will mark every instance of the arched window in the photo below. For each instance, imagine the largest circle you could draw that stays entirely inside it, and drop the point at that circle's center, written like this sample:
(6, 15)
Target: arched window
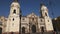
(23, 29)
(13, 19)
(33, 19)
(0, 30)
(46, 14)
(41, 20)
(14, 11)
(33, 29)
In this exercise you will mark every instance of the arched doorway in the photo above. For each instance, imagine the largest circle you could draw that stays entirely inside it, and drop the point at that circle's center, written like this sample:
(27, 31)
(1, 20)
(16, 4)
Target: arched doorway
(33, 29)
(42, 29)
(0, 30)
(23, 29)
(12, 33)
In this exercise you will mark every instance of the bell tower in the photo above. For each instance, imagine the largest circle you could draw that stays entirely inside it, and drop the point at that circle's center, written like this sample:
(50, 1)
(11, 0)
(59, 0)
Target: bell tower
(15, 8)
(47, 20)
(44, 11)
(13, 21)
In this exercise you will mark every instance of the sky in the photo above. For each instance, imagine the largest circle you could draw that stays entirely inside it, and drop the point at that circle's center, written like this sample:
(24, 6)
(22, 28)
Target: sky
(29, 6)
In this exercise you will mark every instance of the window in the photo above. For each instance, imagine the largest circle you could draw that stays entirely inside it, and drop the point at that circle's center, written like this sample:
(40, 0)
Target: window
(41, 20)
(14, 11)
(33, 19)
(13, 19)
(23, 19)
(48, 20)
(46, 14)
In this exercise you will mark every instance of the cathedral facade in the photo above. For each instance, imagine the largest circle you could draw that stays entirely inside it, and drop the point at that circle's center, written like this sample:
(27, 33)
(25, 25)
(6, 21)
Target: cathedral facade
(31, 23)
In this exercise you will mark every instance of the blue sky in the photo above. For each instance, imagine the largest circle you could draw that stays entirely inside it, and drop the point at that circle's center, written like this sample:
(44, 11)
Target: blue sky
(28, 6)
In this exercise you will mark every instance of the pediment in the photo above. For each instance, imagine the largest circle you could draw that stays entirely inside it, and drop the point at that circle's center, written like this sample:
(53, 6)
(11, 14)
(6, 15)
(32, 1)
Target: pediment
(32, 15)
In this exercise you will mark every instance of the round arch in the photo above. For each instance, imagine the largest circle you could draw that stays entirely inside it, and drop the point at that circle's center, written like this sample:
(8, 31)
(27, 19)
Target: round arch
(33, 29)
(0, 30)
(42, 29)
(23, 29)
